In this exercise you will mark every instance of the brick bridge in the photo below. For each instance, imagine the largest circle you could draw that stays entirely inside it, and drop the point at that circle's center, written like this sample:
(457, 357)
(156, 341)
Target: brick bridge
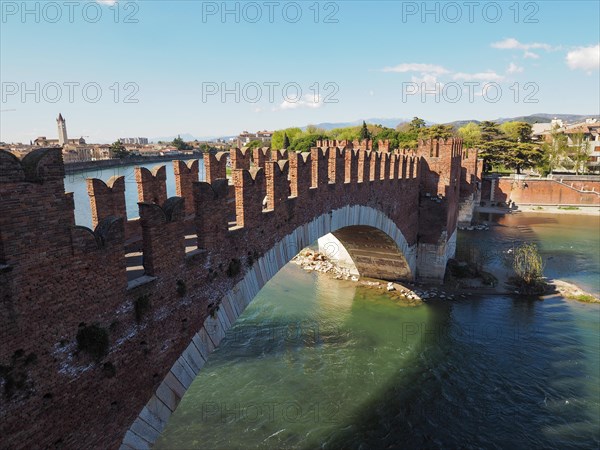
(206, 254)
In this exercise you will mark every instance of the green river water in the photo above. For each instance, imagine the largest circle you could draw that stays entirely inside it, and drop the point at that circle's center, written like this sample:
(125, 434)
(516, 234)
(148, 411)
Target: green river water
(320, 363)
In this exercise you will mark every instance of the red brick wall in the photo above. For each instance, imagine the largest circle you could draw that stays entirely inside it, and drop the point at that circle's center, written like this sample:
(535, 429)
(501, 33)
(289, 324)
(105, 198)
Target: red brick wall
(542, 192)
(56, 276)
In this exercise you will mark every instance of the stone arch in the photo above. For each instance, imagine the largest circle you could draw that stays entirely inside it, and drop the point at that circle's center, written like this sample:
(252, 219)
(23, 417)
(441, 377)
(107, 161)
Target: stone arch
(151, 421)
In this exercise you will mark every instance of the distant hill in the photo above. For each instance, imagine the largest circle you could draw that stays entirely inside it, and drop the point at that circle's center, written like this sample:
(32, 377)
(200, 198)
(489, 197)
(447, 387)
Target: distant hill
(390, 123)
(394, 122)
(533, 118)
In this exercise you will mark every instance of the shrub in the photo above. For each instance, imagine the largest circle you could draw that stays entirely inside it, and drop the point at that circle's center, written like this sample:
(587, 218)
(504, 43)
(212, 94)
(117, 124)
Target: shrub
(93, 340)
(528, 264)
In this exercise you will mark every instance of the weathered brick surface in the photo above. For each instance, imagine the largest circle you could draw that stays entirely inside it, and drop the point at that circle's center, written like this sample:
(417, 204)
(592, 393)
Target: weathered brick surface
(186, 174)
(541, 192)
(152, 185)
(55, 276)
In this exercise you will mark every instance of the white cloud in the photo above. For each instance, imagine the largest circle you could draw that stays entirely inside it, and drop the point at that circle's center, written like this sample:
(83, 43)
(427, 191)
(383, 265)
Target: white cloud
(106, 2)
(480, 76)
(417, 67)
(584, 58)
(513, 68)
(512, 43)
(531, 55)
(308, 101)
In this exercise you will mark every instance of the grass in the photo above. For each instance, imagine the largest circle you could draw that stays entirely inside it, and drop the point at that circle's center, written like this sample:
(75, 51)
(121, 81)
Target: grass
(569, 208)
(585, 298)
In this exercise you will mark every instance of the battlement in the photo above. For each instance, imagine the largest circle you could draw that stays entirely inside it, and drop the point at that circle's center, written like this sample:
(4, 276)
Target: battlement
(56, 277)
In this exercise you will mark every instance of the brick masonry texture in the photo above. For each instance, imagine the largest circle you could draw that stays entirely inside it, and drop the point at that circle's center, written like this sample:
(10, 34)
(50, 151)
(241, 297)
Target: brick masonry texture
(56, 277)
(542, 192)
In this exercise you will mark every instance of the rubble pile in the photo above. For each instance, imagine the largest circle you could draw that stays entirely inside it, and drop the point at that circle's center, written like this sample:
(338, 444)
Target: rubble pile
(311, 260)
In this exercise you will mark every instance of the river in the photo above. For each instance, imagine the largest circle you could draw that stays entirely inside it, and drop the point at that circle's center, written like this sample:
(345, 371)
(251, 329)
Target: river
(320, 363)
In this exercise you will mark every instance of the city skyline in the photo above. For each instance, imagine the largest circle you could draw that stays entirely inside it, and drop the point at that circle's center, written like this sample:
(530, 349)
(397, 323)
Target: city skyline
(349, 61)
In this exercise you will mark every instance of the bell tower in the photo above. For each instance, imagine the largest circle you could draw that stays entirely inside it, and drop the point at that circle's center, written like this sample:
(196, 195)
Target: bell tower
(62, 130)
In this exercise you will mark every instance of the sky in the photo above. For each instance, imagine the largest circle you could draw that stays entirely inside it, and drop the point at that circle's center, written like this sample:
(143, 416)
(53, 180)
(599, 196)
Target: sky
(162, 68)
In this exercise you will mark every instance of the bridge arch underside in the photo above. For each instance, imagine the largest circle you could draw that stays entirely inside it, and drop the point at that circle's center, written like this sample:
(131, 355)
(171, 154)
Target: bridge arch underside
(357, 228)
(372, 252)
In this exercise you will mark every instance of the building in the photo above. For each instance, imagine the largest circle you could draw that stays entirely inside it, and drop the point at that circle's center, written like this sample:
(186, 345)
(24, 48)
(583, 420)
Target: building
(245, 138)
(63, 139)
(579, 136)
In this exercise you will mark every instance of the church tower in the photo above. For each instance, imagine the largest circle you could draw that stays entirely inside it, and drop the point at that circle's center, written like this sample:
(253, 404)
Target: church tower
(62, 130)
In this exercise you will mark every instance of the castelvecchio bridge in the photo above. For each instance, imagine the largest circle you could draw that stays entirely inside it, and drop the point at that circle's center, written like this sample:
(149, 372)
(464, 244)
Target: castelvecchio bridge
(95, 354)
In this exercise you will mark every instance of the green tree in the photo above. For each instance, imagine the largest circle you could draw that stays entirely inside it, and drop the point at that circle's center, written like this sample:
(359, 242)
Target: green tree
(579, 152)
(254, 144)
(436, 132)
(118, 150)
(206, 148)
(389, 134)
(471, 134)
(180, 144)
(364, 132)
(489, 131)
(516, 131)
(555, 150)
(305, 142)
(286, 141)
(278, 137)
(528, 264)
(346, 133)
(416, 124)
(517, 156)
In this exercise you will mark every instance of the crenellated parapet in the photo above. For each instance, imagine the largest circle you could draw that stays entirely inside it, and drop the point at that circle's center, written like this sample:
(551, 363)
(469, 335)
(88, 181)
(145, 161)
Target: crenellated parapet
(300, 170)
(240, 158)
(106, 199)
(151, 184)
(260, 155)
(250, 186)
(162, 231)
(57, 278)
(186, 174)
(215, 166)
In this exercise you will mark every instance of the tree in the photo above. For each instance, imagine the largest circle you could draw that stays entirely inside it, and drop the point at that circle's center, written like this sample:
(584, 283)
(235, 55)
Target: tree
(579, 152)
(364, 132)
(278, 137)
(471, 134)
(305, 142)
(528, 264)
(389, 134)
(286, 141)
(254, 144)
(513, 155)
(555, 150)
(437, 132)
(118, 150)
(180, 144)
(416, 124)
(517, 131)
(489, 131)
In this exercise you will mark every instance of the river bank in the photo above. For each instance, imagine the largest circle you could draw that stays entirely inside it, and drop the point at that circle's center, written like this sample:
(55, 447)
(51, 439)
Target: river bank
(547, 209)
(84, 166)
(453, 289)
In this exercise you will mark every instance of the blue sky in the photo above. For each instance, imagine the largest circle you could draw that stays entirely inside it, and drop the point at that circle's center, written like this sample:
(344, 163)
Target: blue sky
(356, 60)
